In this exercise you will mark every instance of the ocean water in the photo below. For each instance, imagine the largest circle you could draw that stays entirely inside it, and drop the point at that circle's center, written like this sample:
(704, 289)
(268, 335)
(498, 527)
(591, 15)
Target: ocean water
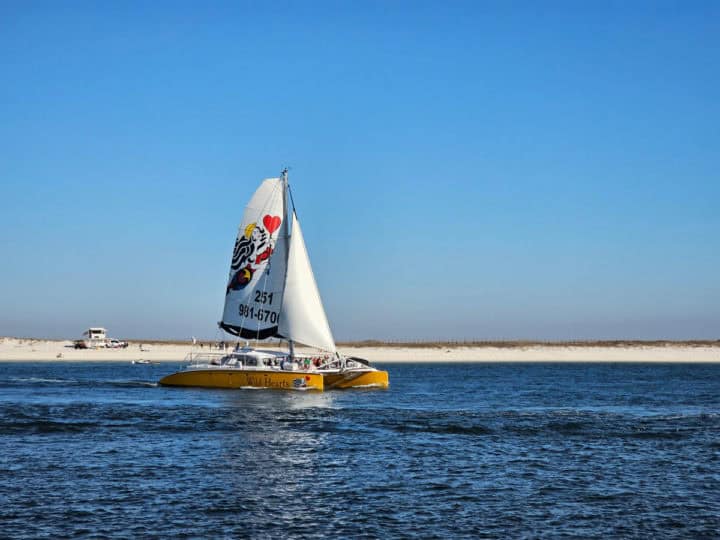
(97, 450)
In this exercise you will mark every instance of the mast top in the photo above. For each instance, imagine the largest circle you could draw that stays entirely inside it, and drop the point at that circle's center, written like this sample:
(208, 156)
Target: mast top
(287, 185)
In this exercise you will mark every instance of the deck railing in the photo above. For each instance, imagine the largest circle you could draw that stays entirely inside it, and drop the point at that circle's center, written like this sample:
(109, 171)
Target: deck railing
(239, 360)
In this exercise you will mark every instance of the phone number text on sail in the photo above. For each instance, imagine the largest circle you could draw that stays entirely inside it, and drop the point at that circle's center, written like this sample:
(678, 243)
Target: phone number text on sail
(263, 315)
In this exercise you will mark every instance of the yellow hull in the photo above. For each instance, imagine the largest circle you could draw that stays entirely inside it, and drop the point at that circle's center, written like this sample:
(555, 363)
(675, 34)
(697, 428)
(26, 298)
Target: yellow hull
(235, 378)
(357, 379)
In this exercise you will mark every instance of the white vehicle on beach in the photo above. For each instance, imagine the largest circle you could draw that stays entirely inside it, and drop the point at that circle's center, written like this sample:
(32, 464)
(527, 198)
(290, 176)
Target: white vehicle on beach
(116, 344)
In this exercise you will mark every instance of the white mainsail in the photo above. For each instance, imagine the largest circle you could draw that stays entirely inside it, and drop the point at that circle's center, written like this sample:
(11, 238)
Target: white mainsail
(253, 296)
(303, 317)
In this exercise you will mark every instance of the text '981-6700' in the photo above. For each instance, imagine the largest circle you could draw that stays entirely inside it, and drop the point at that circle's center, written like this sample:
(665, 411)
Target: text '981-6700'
(263, 315)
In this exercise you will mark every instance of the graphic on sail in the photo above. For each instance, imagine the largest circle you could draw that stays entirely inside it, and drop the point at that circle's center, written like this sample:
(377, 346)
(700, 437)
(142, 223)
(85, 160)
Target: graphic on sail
(303, 316)
(254, 291)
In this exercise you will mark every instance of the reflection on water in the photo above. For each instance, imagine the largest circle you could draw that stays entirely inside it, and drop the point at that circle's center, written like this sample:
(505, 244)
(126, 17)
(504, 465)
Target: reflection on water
(276, 433)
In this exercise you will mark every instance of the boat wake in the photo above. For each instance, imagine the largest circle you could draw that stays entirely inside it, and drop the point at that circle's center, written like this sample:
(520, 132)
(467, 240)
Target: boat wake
(92, 383)
(133, 384)
(41, 380)
(361, 386)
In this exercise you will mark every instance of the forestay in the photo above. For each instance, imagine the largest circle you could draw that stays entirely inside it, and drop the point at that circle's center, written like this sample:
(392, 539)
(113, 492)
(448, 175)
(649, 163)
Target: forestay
(253, 296)
(303, 316)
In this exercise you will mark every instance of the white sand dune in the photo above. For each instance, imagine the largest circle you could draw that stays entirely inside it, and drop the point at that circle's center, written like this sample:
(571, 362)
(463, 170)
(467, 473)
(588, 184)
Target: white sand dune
(542, 353)
(34, 350)
(38, 350)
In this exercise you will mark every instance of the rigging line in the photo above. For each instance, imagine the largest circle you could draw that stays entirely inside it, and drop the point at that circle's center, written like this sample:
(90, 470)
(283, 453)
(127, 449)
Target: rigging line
(268, 265)
(291, 198)
(218, 335)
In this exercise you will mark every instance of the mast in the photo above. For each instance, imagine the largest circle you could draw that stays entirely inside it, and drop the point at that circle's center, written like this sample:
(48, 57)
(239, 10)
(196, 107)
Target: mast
(286, 187)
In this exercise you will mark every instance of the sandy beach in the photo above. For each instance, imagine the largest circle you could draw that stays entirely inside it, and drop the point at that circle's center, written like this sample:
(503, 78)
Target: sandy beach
(37, 350)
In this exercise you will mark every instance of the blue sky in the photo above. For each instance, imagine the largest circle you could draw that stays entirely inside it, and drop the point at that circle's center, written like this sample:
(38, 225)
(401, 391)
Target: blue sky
(463, 170)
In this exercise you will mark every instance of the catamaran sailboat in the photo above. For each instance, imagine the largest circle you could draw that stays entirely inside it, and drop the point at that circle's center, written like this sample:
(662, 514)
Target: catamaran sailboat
(272, 293)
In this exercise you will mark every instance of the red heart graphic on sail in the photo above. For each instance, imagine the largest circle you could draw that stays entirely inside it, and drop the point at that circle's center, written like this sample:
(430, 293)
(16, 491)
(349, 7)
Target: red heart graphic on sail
(271, 223)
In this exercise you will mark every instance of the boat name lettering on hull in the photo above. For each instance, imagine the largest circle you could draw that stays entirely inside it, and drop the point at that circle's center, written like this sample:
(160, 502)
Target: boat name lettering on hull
(265, 381)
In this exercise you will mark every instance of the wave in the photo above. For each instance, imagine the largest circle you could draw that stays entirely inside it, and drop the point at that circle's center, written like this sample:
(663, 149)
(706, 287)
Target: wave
(610, 496)
(93, 383)
(41, 380)
(46, 426)
(140, 424)
(540, 424)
